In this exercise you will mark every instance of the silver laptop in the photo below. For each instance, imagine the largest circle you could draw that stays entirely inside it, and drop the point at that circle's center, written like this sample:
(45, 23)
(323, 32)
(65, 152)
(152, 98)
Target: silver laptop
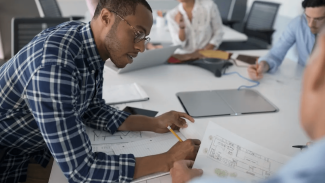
(224, 102)
(146, 59)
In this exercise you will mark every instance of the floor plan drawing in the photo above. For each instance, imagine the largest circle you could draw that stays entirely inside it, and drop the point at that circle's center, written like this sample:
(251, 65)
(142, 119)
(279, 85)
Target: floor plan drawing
(100, 137)
(239, 158)
(226, 154)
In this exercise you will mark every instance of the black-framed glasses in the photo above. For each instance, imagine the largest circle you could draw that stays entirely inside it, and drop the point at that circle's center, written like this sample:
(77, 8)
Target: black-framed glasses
(139, 35)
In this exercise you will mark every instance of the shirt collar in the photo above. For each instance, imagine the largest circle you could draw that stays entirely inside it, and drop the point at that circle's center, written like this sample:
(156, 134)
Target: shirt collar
(181, 9)
(94, 61)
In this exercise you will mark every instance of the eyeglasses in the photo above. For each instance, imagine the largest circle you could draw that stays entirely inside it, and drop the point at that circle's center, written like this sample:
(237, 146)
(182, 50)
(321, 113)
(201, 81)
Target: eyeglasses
(317, 20)
(139, 35)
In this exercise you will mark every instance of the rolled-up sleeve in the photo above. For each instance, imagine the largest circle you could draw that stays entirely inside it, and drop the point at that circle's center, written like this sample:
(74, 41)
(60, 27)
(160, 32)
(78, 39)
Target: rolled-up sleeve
(52, 95)
(216, 24)
(276, 55)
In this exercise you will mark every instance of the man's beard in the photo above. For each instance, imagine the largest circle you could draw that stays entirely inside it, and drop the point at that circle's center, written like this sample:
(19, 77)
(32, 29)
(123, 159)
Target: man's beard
(113, 46)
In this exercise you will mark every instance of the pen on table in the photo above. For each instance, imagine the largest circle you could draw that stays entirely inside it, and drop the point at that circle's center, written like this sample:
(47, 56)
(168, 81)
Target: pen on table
(300, 146)
(171, 130)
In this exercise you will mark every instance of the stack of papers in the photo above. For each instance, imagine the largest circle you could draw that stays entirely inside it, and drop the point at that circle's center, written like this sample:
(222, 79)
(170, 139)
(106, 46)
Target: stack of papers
(124, 93)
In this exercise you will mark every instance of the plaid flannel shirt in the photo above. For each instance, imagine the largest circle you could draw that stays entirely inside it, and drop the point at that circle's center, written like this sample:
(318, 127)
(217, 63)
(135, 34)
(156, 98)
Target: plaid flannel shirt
(48, 92)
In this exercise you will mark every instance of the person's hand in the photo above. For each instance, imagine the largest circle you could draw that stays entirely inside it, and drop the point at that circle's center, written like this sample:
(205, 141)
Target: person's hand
(180, 20)
(160, 13)
(209, 47)
(182, 171)
(186, 150)
(173, 119)
(256, 71)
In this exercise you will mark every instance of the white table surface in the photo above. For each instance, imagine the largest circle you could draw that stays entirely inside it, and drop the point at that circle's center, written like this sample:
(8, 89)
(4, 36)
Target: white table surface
(162, 35)
(275, 131)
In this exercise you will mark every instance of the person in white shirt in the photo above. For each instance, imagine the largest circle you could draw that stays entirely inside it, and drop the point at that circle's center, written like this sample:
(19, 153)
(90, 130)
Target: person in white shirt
(195, 25)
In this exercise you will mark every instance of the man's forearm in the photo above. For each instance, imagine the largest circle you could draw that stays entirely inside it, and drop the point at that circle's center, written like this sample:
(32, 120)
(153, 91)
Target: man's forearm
(152, 164)
(138, 123)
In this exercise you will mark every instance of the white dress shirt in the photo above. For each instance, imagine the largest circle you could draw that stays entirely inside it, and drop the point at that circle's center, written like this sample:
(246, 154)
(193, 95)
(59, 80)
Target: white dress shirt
(205, 28)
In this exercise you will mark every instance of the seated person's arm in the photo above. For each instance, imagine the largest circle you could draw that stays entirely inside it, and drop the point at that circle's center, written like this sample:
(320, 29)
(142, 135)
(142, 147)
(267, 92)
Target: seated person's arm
(176, 27)
(216, 25)
(271, 61)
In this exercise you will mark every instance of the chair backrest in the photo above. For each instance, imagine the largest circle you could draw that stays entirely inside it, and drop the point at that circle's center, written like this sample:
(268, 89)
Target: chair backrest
(8, 10)
(25, 29)
(261, 16)
(224, 8)
(232, 10)
(48, 8)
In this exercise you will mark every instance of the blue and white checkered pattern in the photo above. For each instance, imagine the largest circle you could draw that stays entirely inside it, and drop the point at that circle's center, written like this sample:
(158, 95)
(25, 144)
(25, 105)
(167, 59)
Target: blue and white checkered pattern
(48, 92)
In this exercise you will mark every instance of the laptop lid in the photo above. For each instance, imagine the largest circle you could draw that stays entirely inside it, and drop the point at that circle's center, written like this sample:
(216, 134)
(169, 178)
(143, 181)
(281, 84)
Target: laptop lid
(146, 59)
(224, 102)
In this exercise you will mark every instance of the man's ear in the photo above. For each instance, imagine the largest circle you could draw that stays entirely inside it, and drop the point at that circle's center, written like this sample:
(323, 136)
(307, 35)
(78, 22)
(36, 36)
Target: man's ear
(318, 73)
(106, 17)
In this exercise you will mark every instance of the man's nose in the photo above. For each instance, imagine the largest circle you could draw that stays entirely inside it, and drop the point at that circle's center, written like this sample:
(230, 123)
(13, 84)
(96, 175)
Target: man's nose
(140, 46)
(312, 23)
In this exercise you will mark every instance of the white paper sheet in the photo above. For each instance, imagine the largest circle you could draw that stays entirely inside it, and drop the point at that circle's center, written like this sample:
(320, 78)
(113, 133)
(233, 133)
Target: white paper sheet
(147, 147)
(106, 148)
(124, 93)
(103, 137)
(123, 105)
(225, 154)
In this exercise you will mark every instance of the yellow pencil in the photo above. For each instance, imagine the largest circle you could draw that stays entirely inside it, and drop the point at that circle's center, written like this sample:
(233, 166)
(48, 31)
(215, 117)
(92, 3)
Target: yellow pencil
(171, 130)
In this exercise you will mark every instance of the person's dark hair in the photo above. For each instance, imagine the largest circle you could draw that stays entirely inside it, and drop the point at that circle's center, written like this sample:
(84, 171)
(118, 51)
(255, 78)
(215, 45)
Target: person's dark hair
(312, 3)
(121, 7)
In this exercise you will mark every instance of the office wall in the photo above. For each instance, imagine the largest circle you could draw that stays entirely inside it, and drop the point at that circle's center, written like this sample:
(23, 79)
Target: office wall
(79, 7)
(73, 7)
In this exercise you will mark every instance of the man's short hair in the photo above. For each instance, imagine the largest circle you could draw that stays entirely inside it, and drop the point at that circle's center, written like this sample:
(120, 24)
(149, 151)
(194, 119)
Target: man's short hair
(121, 7)
(312, 3)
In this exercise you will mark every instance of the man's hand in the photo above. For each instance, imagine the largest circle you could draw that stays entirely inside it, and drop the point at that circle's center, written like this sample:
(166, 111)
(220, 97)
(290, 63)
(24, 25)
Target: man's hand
(165, 162)
(173, 119)
(184, 150)
(180, 20)
(182, 171)
(256, 71)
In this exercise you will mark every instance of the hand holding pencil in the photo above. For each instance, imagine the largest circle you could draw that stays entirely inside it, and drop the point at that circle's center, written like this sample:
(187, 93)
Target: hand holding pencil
(256, 71)
(171, 130)
(175, 120)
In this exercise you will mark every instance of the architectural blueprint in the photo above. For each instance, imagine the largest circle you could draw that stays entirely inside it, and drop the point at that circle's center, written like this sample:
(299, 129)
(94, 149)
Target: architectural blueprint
(103, 137)
(225, 154)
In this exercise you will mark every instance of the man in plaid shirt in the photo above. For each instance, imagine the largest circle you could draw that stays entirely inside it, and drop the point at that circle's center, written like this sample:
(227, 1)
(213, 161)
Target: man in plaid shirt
(52, 88)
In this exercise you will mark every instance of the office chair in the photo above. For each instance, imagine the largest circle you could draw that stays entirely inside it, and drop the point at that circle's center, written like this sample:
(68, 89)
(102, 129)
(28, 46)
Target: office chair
(232, 11)
(50, 8)
(25, 29)
(260, 20)
(258, 27)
